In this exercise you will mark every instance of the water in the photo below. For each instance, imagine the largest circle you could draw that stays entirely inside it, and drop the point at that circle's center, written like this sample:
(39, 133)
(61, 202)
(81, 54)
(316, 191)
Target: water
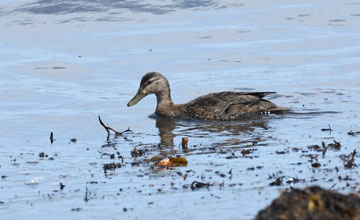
(64, 63)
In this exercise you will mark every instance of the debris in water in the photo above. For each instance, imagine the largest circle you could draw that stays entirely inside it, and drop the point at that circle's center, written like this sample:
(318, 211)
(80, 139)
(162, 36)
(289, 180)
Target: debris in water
(294, 180)
(111, 166)
(86, 199)
(107, 128)
(280, 152)
(197, 185)
(73, 140)
(353, 133)
(349, 163)
(316, 165)
(245, 152)
(51, 137)
(32, 161)
(278, 180)
(327, 129)
(136, 153)
(165, 163)
(179, 161)
(184, 142)
(155, 159)
(336, 145)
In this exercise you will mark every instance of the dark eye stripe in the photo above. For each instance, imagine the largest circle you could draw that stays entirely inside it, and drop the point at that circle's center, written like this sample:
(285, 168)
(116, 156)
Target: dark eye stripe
(147, 77)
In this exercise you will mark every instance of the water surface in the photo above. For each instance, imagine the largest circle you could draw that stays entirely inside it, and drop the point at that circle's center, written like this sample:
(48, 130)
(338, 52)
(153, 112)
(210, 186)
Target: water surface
(63, 63)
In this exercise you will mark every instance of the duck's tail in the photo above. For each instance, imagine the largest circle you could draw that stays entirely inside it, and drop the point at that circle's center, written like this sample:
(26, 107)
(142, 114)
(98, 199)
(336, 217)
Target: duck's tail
(278, 110)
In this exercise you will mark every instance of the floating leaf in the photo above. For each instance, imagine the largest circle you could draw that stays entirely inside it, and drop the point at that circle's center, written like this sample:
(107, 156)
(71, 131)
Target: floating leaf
(179, 161)
(165, 163)
(155, 159)
(244, 152)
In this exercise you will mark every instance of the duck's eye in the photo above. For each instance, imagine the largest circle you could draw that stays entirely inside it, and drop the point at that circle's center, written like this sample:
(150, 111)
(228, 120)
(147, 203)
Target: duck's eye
(149, 82)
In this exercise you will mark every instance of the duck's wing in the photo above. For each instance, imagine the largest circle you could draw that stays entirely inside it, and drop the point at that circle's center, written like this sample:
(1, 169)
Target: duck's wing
(258, 94)
(226, 105)
(224, 98)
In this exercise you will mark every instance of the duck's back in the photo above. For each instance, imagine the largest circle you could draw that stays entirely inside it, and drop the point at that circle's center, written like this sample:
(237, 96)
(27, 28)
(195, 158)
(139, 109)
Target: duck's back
(229, 105)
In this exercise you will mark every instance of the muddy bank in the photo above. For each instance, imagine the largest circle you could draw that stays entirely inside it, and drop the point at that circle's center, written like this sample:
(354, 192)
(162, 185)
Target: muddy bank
(312, 203)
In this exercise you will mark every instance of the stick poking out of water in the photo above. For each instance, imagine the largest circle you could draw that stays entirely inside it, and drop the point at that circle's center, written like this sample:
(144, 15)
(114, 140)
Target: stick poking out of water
(327, 129)
(51, 137)
(108, 129)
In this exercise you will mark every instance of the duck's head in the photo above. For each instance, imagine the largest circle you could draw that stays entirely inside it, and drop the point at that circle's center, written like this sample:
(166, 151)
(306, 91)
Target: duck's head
(151, 83)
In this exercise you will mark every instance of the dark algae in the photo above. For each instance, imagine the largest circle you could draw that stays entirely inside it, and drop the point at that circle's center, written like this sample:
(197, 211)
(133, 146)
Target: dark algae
(312, 203)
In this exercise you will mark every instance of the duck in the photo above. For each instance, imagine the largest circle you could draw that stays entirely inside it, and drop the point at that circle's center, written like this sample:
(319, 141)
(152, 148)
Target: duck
(227, 105)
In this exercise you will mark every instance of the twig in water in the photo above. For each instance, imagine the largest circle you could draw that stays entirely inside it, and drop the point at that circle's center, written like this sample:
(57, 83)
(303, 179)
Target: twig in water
(51, 137)
(353, 133)
(107, 128)
(197, 185)
(327, 129)
(86, 199)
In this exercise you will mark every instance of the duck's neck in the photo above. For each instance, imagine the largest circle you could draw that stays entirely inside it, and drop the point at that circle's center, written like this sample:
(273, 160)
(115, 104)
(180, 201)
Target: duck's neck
(165, 106)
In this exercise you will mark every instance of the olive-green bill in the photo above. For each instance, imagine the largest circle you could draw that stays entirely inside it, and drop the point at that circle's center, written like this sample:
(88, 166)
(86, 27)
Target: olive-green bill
(139, 95)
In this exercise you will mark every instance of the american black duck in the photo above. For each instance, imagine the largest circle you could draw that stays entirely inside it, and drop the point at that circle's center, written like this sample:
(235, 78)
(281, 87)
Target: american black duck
(213, 106)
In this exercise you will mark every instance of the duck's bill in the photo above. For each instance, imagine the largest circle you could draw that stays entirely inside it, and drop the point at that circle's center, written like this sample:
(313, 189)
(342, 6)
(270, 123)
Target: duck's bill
(139, 95)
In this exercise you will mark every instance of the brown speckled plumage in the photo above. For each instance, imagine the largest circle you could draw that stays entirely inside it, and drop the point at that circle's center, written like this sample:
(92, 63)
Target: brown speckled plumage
(213, 106)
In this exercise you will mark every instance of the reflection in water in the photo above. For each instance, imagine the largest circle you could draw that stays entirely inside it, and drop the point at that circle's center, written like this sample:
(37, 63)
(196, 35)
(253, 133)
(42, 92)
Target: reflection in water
(80, 6)
(167, 126)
